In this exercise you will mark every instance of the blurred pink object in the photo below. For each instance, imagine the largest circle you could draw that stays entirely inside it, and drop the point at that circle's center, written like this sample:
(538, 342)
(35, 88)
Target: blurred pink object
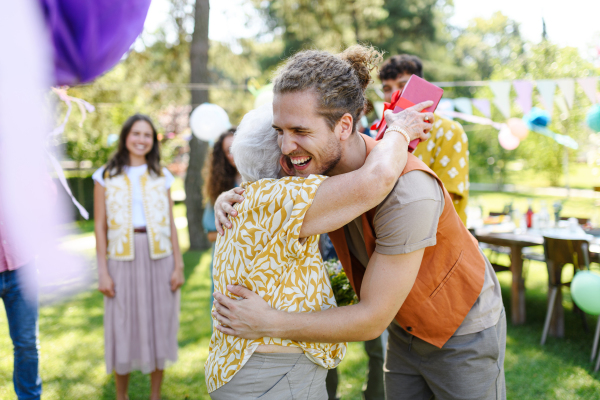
(32, 216)
(10, 259)
(506, 139)
(518, 128)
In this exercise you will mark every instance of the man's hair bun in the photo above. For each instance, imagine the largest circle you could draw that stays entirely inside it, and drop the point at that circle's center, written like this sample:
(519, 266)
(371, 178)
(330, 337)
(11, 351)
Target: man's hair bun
(363, 60)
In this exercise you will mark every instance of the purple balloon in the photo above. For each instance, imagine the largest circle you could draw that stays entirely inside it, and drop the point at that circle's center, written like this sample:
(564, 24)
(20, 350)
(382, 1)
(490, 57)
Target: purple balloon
(91, 36)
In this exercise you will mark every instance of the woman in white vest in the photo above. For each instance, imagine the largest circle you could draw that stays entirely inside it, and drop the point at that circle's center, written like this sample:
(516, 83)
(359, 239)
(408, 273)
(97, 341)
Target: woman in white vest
(140, 268)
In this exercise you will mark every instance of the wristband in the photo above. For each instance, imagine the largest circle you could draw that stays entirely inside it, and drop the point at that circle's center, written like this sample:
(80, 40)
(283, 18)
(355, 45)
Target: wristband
(398, 129)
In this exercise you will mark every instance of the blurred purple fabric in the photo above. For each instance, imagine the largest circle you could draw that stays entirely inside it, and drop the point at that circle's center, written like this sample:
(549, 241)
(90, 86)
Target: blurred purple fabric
(91, 36)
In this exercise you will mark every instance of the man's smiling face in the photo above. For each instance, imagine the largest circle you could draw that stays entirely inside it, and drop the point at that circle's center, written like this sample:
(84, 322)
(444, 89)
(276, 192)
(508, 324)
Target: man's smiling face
(304, 135)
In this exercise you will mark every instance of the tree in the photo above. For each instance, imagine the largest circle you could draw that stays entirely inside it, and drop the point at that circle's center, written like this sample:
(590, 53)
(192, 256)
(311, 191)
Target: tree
(549, 61)
(486, 43)
(198, 148)
(394, 26)
(539, 153)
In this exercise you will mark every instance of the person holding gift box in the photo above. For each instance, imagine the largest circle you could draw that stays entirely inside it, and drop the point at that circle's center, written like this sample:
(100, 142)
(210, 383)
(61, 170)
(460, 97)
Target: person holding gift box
(447, 151)
(415, 267)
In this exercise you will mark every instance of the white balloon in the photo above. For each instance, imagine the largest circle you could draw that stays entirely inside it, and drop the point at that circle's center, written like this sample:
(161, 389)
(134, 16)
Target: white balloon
(209, 121)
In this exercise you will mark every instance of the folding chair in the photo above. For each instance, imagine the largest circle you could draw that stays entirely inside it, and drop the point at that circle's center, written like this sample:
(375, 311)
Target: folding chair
(559, 252)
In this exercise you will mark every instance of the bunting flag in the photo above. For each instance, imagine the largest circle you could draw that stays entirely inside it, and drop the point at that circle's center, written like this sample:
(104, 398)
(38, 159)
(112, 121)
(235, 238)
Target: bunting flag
(524, 90)
(501, 90)
(589, 86)
(567, 87)
(483, 105)
(471, 118)
(445, 105)
(547, 88)
(564, 140)
(562, 104)
(557, 137)
(463, 105)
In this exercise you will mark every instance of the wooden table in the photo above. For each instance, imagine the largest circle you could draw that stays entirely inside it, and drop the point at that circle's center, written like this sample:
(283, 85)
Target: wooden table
(516, 243)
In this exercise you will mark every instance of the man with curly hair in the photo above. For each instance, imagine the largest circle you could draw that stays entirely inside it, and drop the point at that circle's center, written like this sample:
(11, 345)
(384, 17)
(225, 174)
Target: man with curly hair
(415, 267)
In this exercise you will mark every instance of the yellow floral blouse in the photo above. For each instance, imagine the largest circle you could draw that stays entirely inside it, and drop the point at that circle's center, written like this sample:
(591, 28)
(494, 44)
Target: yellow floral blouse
(446, 152)
(262, 252)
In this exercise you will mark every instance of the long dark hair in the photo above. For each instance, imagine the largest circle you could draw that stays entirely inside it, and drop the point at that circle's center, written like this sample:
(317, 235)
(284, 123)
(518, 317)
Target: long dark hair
(219, 174)
(115, 166)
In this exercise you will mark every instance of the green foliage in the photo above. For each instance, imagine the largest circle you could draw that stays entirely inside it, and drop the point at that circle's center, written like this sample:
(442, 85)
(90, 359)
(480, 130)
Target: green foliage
(72, 351)
(540, 153)
(148, 82)
(233, 70)
(396, 26)
(155, 82)
(342, 290)
(486, 43)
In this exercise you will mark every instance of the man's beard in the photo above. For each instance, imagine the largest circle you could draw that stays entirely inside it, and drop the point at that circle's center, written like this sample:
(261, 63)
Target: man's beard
(334, 150)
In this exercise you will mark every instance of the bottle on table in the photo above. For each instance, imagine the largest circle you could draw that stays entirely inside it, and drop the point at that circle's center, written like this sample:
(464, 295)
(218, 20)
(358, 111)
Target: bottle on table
(529, 215)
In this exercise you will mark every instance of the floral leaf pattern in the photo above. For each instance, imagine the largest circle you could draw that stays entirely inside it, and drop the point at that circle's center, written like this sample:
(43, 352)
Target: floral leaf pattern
(119, 218)
(262, 252)
(446, 152)
(120, 222)
(156, 209)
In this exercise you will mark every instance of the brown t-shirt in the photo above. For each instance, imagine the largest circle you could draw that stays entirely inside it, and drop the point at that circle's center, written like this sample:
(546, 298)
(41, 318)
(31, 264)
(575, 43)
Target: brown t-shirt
(407, 221)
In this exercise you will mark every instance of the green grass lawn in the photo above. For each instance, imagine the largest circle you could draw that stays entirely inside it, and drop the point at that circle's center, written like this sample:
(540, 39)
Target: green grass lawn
(581, 176)
(72, 354)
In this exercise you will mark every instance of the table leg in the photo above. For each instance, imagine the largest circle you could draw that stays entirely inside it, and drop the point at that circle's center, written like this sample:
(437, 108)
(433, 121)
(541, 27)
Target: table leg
(517, 296)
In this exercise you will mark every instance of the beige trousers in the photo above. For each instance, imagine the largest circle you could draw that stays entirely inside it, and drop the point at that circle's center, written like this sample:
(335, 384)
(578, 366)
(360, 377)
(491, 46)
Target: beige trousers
(275, 376)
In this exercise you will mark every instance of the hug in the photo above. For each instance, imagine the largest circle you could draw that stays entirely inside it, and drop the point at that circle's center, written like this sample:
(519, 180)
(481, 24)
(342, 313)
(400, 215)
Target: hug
(415, 268)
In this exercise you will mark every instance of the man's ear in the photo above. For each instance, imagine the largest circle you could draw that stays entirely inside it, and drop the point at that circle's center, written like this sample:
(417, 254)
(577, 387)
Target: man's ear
(345, 126)
(286, 166)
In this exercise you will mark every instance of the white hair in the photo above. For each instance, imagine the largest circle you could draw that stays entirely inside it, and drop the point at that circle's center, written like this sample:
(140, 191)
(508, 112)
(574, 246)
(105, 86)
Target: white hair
(255, 149)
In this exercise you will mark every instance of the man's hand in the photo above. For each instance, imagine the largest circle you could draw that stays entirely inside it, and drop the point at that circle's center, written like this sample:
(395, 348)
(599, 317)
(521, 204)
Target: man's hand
(247, 318)
(224, 208)
(416, 123)
(386, 284)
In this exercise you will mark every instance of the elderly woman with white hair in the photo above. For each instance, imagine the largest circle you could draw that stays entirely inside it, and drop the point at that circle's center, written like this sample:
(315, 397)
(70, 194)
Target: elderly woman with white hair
(272, 249)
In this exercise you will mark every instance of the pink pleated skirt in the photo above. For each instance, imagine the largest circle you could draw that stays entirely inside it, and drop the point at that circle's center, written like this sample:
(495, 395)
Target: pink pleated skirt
(142, 320)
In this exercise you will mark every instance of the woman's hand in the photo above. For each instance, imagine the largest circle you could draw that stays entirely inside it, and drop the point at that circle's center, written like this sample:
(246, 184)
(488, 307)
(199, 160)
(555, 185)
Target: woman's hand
(177, 277)
(416, 123)
(106, 284)
(247, 318)
(224, 208)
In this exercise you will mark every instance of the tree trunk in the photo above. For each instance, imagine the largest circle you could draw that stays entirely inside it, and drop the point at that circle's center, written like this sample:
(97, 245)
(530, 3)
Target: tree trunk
(198, 148)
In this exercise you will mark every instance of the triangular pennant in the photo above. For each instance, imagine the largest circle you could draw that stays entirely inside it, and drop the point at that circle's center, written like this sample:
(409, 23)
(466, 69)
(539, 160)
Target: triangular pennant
(547, 88)
(445, 105)
(463, 105)
(524, 90)
(589, 86)
(567, 87)
(483, 105)
(562, 104)
(501, 90)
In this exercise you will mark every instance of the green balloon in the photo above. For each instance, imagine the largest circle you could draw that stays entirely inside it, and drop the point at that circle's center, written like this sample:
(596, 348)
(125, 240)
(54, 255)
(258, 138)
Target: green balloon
(585, 290)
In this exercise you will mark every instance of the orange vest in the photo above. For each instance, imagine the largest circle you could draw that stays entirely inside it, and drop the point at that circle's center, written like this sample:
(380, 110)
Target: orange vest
(450, 277)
